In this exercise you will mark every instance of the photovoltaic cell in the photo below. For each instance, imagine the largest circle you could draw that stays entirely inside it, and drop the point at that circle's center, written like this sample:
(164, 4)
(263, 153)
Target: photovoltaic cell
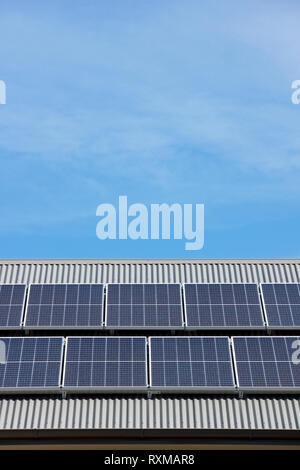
(105, 362)
(30, 363)
(267, 363)
(282, 305)
(191, 362)
(223, 306)
(12, 298)
(64, 305)
(144, 306)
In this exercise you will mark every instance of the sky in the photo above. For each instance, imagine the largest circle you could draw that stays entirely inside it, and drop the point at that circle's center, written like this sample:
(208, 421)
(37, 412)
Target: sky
(162, 101)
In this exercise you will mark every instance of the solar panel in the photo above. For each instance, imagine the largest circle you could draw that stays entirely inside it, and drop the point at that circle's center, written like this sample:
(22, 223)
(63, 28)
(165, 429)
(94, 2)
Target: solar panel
(52, 306)
(105, 363)
(32, 364)
(282, 305)
(12, 297)
(191, 363)
(223, 306)
(267, 363)
(144, 306)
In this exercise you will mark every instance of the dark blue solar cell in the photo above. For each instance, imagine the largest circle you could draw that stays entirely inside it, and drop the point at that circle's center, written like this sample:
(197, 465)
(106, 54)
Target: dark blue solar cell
(196, 350)
(239, 292)
(267, 362)
(72, 294)
(255, 314)
(212, 375)
(209, 349)
(18, 294)
(5, 294)
(241, 348)
(269, 294)
(198, 373)
(252, 294)
(183, 349)
(293, 293)
(137, 295)
(218, 315)
(285, 375)
(97, 377)
(225, 372)
(282, 348)
(192, 314)
(258, 374)
(222, 349)
(281, 294)
(96, 295)
(205, 315)
(13, 354)
(144, 305)
(285, 314)
(273, 317)
(59, 295)
(227, 294)
(244, 375)
(125, 294)
(64, 305)
(223, 306)
(253, 349)
(215, 294)
(295, 310)
(149, 293)
(47, 293)
(35, 294)
(191, 292)
(105, 362)
(157, 349)
(84, 294)
(230, 317)
(191, 362)
(31, 363)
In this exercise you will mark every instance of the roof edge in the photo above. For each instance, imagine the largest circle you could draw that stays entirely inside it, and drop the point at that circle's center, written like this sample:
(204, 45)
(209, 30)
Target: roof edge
(149, 260)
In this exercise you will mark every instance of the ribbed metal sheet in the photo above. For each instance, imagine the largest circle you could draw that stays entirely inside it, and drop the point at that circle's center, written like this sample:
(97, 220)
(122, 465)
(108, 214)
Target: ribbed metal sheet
(126, 413)
(103, 271)
(155, 413)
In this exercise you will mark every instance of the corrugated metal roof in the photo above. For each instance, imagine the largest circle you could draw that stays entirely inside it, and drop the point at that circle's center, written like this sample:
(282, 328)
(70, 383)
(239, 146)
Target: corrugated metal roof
(147, 414)
(184, 413)
(102, 271)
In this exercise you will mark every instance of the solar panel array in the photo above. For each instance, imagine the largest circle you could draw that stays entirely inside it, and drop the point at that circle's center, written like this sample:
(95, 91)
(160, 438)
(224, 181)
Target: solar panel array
(262, 364)
(163, 363)
(151, 306)
(64, 305)
(223, 306)
(270, 363)
(12, 297)
(144, 306)
(282, 305)
(30, 363)
(105, 362)
(192, 362)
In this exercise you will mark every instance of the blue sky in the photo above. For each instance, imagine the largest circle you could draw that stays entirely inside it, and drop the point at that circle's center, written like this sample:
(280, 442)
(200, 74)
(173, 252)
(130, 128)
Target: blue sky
(172, 101)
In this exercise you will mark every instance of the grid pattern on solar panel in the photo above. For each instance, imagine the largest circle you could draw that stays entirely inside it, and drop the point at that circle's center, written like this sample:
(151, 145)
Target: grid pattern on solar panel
(105, 362)
(191, 362)
(282, 304)
(267, 362)
(223, 305)
(11, 304)
(29, 363)
(67, 305)
(144, 305)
